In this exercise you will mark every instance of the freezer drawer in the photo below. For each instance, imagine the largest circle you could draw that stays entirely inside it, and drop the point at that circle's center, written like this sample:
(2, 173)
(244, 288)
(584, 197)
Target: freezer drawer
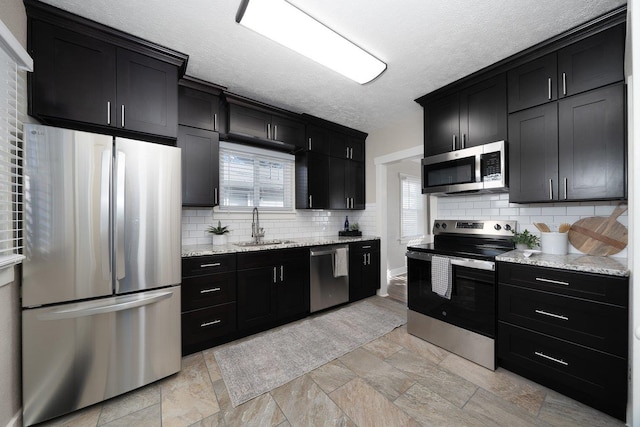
(75, 355)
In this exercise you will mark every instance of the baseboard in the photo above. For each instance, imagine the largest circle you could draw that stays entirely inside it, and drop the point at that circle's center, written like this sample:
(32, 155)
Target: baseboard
(396, 271)
(15, 421)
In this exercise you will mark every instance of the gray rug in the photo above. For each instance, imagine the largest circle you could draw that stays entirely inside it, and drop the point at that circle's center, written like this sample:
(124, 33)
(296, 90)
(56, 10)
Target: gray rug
(276, 357)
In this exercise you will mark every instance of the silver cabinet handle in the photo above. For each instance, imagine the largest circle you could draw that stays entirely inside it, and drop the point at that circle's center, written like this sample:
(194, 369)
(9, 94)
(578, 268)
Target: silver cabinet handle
(364, 259)
(122, 112)
(557, 316)
(564, 83)
(347, 152)
(351, 153)
(550, 189)
(366, 247)
(560, 361)
(215, 121)
(215, 322)
(268, 130)
(108, 112)
(453, 147)
(369, 259)
(215, 196)
(347, 199)
(274, 275)
(215, 264)
(282, 273)
(275, 132)
(310, 201)
(565, 188)
(549, 87)
(464, 138)
(206, 291)
(309, 144)
(540, 279)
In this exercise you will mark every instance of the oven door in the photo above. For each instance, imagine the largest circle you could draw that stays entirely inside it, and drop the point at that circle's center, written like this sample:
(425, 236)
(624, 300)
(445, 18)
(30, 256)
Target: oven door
(472, 304)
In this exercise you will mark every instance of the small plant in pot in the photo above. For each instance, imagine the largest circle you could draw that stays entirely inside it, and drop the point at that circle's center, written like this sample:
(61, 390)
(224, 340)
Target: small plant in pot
(525, 240)
(218, 234)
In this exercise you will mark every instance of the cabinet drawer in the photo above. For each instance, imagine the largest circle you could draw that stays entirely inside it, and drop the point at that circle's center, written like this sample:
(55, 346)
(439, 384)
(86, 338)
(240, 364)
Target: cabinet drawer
(204, 291)
(365, 246)
(273, 257)
(208, 323)
(590, 376)
(596, 287)
(210, 264)
(597, 325)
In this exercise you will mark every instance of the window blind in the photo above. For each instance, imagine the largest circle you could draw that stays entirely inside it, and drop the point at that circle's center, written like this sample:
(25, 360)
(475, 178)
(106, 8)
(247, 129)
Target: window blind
(13, 58)
(411, 207)
(251, 177)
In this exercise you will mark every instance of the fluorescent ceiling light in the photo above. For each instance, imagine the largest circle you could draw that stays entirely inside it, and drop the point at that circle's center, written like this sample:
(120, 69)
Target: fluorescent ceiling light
(284, 23)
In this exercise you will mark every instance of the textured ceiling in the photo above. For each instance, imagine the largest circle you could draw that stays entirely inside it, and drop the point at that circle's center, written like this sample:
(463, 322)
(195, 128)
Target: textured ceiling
(425, 43)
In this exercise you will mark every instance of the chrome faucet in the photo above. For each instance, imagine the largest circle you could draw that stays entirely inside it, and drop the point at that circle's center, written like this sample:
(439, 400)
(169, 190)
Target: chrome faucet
(256, 232)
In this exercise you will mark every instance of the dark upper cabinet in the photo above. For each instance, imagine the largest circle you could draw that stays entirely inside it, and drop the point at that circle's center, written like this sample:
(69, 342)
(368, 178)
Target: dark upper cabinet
(312, 181)
(87, 76)
(338, 198)
(200, 178)
(346, 173)
(200, 109)
(319, 139)
(587, 64)
(591, 63)
(466, 117)
(256, 123)
(147, 94)
(571, 150)
(533, 83)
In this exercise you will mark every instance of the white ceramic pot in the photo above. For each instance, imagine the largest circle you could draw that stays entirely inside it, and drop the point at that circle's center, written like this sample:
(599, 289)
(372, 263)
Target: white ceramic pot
(219, 239)
(554, 243)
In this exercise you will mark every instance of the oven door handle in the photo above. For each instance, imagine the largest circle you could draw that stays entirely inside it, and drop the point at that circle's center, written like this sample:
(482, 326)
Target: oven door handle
(461, 262)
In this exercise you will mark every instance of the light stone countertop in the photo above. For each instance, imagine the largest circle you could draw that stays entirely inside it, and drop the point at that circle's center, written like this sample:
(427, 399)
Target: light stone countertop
(229, 248)
(611, 266)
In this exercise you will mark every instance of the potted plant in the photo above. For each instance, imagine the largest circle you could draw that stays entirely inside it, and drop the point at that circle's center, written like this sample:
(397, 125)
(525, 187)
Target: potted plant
(525, 240)
(218, 234)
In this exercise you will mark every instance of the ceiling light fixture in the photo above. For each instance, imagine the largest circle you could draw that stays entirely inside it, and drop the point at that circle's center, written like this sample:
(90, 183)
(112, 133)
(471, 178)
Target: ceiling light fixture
(284, 23)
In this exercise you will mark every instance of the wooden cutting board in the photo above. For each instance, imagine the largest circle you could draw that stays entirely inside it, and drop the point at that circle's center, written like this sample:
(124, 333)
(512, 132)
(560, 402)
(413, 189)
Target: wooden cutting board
(600, 236)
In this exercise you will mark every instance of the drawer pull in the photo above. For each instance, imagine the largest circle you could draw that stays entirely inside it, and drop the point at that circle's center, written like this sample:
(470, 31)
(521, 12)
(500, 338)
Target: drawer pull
(215, 322)
(366, 247)
(215, 264)
(557, 282)
(560, 361)
(557, 316)
(206, 291)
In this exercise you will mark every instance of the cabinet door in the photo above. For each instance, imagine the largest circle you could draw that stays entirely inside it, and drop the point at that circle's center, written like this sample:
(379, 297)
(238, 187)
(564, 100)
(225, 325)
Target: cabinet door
(339, 145)
(364, 273)
(318, 181)
(533, 154)
(256, 302)
(74, 76)
(200, 109)
(371, 273)
(337, 179)
(287, 130)
(247, 121)
(200, 150)
(483, 112)
(592, 145)
(292, 286)
(355, 183)
(318, 139)
(356, 147)
(147, 98)
(533, 83)
(591, 63)
(441, 125)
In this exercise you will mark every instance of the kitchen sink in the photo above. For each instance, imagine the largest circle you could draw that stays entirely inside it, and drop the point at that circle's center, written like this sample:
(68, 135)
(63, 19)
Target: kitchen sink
(263, 243)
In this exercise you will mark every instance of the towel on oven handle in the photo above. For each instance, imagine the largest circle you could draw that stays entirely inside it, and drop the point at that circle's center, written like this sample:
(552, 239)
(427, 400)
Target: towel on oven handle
(441, 276)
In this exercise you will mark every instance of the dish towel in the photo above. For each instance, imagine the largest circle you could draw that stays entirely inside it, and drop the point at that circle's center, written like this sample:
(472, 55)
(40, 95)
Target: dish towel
(340, 262)
(441, 276)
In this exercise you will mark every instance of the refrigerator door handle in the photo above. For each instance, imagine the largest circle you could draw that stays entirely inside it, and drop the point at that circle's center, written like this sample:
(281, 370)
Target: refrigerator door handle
(105, 190)
(110, 306)
(119, 222)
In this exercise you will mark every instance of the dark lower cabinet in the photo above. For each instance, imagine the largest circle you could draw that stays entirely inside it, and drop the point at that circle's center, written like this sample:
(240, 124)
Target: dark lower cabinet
(273, 288)
(566, 330)
(364, 269)
(200, 166)
(208, 301)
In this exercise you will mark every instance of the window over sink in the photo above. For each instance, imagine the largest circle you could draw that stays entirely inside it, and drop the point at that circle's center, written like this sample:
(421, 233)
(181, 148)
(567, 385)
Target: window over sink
(253, 177)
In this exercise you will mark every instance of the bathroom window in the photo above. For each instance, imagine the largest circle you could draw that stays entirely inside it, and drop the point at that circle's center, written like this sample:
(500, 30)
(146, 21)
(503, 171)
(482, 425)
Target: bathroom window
(412, 212)
(252, 177)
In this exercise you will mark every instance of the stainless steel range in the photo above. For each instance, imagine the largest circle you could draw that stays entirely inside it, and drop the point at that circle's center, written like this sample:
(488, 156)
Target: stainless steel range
(451, 286)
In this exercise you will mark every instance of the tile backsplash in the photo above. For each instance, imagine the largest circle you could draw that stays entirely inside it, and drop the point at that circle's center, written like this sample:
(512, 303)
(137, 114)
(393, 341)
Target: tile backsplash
(497, 206)
(300, 224)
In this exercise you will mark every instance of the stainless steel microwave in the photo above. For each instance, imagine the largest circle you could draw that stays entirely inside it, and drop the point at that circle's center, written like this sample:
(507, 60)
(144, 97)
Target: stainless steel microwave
(482, 168)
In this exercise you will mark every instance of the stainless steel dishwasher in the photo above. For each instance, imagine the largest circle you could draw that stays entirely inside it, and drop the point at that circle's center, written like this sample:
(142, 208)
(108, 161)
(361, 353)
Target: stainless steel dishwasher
(329, 279)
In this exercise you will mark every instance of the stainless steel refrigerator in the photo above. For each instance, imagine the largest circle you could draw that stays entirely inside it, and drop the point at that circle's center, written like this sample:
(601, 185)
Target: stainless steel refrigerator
(101, 279)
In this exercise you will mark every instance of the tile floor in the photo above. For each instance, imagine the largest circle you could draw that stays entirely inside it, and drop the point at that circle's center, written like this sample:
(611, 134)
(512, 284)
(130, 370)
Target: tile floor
(396, 380)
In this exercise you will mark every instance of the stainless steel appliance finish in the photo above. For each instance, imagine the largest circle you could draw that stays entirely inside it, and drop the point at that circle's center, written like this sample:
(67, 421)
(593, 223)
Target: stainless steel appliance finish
(101, 294)
(482, 168)
(325, 289)
(465, 323)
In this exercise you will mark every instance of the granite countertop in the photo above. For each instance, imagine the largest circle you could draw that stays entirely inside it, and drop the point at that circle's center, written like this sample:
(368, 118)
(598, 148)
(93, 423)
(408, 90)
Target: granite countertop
(229, 248)
(578, 262)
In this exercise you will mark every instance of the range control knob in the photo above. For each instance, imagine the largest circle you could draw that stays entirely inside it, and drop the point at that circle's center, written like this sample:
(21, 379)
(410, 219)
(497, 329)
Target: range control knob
(437, 225)
(444, 226)
(507, 227)
(497, 227)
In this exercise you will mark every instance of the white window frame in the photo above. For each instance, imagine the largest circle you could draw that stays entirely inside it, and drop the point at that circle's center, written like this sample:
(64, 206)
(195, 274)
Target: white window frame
(416, 181)
(260, 153)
